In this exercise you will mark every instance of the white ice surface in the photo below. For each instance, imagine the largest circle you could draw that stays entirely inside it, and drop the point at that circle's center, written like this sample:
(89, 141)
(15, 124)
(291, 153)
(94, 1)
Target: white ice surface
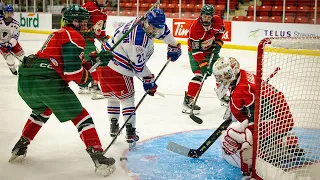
(57, 152)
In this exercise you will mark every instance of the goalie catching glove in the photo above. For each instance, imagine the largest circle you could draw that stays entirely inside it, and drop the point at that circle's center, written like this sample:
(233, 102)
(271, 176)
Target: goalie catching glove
(149, 85)
(237, 138)
(103, 56)
(174, 52)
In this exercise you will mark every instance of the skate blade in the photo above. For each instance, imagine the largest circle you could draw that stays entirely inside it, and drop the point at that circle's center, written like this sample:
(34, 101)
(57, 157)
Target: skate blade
(97, 97)
(105, 170)
(195, 112)
(14, 156)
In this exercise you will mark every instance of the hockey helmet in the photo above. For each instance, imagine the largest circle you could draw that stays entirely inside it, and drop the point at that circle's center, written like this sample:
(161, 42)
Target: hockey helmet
(78, 13)
(8, 13)
(225, 70)
(206, 14)
(154, 23)
(8, 8)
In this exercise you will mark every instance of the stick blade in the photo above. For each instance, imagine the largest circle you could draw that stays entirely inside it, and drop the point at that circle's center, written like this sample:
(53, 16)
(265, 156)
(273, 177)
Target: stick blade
(196, 119)
(177, 148)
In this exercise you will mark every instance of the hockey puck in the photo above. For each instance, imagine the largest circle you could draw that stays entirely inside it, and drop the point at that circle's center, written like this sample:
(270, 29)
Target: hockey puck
(123, 159)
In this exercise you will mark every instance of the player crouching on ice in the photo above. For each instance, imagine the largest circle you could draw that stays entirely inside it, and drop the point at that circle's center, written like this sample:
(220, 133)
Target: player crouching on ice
(130, 58)
(238, 137)
(9, 45)
(43, 85)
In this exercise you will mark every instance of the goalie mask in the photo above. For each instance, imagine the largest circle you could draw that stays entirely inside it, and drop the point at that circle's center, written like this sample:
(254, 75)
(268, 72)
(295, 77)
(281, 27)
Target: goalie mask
(225, 70)
(154, 23)
(8, 13)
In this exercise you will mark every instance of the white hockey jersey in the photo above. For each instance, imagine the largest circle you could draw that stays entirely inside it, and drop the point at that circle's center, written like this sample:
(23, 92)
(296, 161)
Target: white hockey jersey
(131, 55)
(9, 32)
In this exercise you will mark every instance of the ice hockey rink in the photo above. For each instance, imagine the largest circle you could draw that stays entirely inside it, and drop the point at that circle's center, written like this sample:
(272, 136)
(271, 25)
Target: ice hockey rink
(58, 153)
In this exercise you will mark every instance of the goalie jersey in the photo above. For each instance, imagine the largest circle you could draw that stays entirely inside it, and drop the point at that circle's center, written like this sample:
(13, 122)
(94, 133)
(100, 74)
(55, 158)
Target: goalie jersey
(131, 55)
(9, 32)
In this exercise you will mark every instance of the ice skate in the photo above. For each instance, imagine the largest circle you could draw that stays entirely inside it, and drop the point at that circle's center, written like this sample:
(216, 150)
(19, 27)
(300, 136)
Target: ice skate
(84, 90)
(104, 166)
(13, 70)
(131, 136)
(187, 105)
(20, 148)
(114, 127)
(96, 92)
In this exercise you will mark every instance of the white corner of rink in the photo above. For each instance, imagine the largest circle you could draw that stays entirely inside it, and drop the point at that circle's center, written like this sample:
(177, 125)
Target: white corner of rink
(238, 34)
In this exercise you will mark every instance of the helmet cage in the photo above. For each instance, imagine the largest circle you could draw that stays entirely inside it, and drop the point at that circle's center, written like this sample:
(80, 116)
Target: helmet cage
(152, 31)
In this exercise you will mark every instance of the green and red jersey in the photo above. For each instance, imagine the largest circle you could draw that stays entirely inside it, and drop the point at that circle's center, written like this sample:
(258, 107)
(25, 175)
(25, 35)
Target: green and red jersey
(200, 41)
(64, 49)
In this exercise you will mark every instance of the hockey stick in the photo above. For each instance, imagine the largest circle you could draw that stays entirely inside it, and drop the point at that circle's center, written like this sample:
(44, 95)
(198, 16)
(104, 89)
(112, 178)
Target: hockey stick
(192, 116)
(127, 33)
(196, 153)
(135, 109)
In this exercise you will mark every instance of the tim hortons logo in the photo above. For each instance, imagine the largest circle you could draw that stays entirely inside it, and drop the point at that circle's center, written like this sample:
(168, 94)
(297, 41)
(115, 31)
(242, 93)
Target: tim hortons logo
(181, 28)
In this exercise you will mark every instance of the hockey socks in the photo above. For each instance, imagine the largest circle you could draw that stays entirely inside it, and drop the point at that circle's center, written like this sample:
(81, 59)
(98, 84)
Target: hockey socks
(87, 130)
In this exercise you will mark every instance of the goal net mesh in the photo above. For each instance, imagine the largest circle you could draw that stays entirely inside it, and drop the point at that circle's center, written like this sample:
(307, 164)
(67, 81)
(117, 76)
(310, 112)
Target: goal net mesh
(287, 116)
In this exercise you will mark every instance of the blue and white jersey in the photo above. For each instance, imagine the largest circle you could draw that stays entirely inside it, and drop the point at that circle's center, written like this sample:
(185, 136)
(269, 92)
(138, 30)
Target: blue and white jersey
(132, 54)
(9, 32)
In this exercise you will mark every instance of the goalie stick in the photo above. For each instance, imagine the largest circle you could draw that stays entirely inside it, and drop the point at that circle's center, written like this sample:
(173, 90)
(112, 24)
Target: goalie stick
(126, 34)
(196, 153)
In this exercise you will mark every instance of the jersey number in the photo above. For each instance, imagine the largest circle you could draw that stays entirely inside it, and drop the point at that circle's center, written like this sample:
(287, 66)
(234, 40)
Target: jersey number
(45, 45)
(140, 58)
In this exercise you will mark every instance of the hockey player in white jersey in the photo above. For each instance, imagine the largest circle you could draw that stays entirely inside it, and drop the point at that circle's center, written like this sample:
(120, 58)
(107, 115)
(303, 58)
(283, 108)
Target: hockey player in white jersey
(9, 35)
(130, 58)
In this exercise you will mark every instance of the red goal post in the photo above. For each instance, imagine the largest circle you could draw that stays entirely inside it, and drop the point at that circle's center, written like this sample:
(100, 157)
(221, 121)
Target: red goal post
(286, 142)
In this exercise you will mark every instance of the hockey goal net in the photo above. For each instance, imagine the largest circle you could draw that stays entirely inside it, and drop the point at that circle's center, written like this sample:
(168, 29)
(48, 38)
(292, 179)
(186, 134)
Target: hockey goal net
(287, 110)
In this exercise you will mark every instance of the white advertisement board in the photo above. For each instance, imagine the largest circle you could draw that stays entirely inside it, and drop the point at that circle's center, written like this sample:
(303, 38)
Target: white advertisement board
(250, 33)
(35, 21)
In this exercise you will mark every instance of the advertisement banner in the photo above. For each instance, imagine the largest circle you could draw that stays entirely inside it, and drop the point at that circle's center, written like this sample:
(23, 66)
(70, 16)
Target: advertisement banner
(38, 21)
(251, 33)
(181, 28)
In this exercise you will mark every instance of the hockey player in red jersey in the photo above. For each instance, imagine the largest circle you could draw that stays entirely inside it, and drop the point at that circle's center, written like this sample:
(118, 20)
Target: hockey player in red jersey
(205, 39)
(43, 84)
(238, 137)
(98, 17)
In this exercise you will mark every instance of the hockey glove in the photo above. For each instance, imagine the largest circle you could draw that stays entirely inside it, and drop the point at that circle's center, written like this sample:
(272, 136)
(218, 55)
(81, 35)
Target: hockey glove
(103, 56)
(174, 52)
(204, 67)
(216, 47)
(149, 85)
(6, 46)
(237, 138)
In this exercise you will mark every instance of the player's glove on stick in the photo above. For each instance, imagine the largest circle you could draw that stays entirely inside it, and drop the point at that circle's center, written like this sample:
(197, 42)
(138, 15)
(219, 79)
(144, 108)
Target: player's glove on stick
(237, 138)
(103, 56)
(6, 46)
(174, 52)
(216, 47)
(204, 67)
(149, 85)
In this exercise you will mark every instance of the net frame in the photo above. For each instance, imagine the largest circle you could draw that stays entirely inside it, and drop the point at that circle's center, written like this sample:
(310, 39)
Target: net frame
(287, 46)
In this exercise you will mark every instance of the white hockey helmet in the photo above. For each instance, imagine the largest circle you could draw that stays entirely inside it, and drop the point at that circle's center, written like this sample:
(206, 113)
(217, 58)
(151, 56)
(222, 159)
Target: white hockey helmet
(225, 70)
